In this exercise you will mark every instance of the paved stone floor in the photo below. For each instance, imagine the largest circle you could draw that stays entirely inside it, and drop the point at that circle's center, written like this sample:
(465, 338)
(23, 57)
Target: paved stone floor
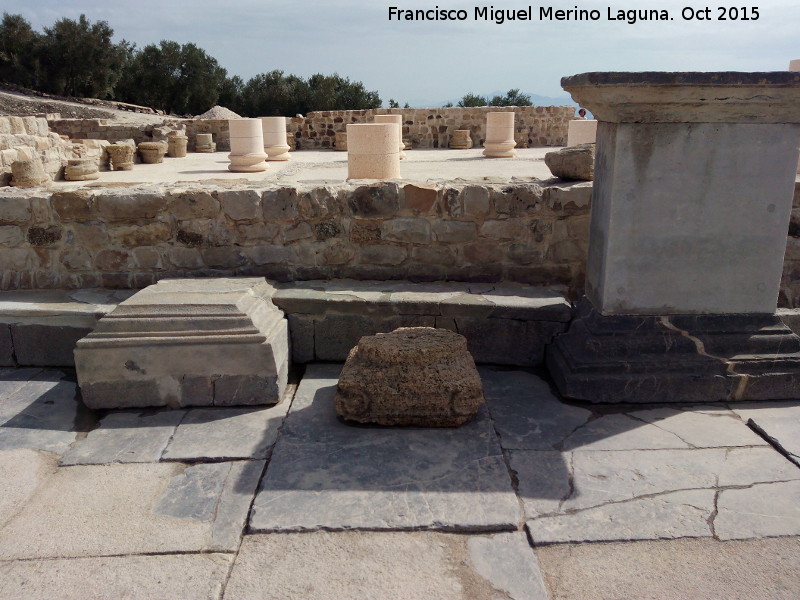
(534, 499)
(330, 166)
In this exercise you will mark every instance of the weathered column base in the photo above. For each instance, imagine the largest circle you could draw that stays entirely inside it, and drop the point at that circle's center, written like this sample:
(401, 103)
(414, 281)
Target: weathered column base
(676, 358)
(187, 342)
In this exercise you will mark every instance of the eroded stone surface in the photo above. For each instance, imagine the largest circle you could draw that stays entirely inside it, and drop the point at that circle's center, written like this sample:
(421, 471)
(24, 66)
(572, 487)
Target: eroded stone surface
(616, 495)
(411, 376)
(574, 162)
(133, 509)
(197, 576)
(384, 566)
(778, 422)
(126, 437)
(326, 474)
(226, 433)
(765, 510)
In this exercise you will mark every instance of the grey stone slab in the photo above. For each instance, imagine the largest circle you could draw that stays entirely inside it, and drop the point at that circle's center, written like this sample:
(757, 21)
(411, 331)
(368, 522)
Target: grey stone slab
(335, 335)
(136, 508)
(778, 422)
(22, 471)
(696, 569)
(385, 566)
(301, 334)
(705, 427)
(43, 414)
(125, 437)
(176, 576)
(508, 341)
(672, 515)
(621, 495)
(525, 412)
(762, 510)
(226, 433)
(326, 474)
(48, 344)
(622, 432)
(6, 347)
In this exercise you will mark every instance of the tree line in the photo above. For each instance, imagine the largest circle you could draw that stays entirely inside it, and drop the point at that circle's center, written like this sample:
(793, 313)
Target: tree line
(79, 58)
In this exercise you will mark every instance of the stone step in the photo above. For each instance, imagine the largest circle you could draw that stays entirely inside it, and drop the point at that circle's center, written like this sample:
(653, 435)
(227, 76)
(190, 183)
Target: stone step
(506, 324)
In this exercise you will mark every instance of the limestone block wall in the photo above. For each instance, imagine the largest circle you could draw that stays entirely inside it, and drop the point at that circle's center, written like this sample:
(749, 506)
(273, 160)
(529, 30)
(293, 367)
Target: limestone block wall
(432, 127)
(101, 129)
(217, 127)
(21, 138)
(131, 237)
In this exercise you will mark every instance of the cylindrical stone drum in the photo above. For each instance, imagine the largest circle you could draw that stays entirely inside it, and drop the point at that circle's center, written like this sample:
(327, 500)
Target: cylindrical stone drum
(373, 151)
(152, 152)
(81, 169)
(176, 145)
(28, 173)
(499, 135)
(204, 142)
(274, 131)
(461, 139)
(247, 146)
(120, 157)
(397, 119)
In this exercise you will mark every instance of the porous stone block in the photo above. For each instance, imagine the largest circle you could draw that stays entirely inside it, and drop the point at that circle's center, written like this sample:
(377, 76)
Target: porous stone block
(199, 342)
(411, 376)
(152, 152)
(576, 162)
(28, 173)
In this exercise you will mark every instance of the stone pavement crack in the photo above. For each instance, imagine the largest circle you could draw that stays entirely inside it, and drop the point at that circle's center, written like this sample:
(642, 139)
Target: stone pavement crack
(655, 424)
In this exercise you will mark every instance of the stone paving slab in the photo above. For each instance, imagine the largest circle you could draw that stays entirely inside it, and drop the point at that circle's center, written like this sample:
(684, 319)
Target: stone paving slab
(173, 577)
(226, 433)
(125, 437)
(42, 414)
(639, 494)
(685, 569)
(325, 474)
(766, 510)
(778, 422)
(385, 566)
(23, 471)
(133, 509)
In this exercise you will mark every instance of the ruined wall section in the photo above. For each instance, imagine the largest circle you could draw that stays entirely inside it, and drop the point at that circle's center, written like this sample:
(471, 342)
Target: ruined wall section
(22, 138)
(131, 237)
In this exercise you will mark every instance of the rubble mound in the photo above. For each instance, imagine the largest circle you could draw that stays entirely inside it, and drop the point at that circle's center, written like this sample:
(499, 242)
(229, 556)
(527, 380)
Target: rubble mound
(218, 112)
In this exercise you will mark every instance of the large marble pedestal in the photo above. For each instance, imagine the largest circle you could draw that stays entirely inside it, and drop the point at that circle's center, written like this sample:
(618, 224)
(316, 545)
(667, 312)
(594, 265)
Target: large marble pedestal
(694, 176)
(187, 342)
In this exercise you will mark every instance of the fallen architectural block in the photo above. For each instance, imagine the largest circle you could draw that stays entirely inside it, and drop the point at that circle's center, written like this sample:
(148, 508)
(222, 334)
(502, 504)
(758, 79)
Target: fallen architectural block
(204, 142)
(152, 152)
(461, 139)
(575, 163)
(28, 173)
(187, 342)
(120, 157)
(411, 376)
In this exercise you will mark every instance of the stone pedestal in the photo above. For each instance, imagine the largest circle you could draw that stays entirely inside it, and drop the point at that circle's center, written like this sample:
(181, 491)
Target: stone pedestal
(152, 152)
(694, 177)
(581, 131)
(247, 146)
(340, 143)
(274, 131)
(204, 143)
(397, 120)
(176, 145)
(187, 342)
(461, 139)
(28, 173)
(81, 169)
(499, 135)
(120, 157)
(373, 151)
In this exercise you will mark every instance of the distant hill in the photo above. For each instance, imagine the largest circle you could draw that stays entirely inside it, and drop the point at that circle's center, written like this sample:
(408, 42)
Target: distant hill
(537, 100)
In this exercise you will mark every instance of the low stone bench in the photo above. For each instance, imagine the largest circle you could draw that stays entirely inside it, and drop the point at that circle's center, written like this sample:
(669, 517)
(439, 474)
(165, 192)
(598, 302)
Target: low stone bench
(505, 324)
(39, 328)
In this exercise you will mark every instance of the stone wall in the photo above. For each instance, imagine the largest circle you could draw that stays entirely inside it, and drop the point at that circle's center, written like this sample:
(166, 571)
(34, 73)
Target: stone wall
(101, 129)
(22, 138)
(131, 237)
(790, 284)
(431, 127)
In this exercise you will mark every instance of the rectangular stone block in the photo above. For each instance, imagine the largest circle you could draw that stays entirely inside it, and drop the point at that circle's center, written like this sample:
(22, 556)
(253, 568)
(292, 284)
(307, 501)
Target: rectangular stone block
(188, 343)
(49, 344)
(6, 347)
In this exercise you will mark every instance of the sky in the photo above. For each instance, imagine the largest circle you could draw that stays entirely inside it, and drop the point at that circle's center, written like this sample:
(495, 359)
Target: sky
(427, 63)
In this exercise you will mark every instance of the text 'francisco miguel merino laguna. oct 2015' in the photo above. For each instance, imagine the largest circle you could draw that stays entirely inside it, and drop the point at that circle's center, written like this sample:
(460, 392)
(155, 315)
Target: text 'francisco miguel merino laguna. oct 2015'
(549, 13)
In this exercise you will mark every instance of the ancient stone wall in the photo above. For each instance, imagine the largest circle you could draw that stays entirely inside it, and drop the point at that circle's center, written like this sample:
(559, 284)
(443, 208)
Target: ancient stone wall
(131, 237)
(101, 129)
(431, 127)
(790, 284)
(22, 138)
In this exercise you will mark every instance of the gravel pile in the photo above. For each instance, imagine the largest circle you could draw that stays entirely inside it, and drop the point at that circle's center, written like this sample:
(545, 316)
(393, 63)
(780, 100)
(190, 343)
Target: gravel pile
(218, 112)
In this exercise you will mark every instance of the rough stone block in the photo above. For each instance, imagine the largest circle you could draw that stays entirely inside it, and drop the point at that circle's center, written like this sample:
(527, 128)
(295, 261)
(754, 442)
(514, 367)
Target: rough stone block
(574, 162)
(411, 376)
(163, 344)
(407, 229)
